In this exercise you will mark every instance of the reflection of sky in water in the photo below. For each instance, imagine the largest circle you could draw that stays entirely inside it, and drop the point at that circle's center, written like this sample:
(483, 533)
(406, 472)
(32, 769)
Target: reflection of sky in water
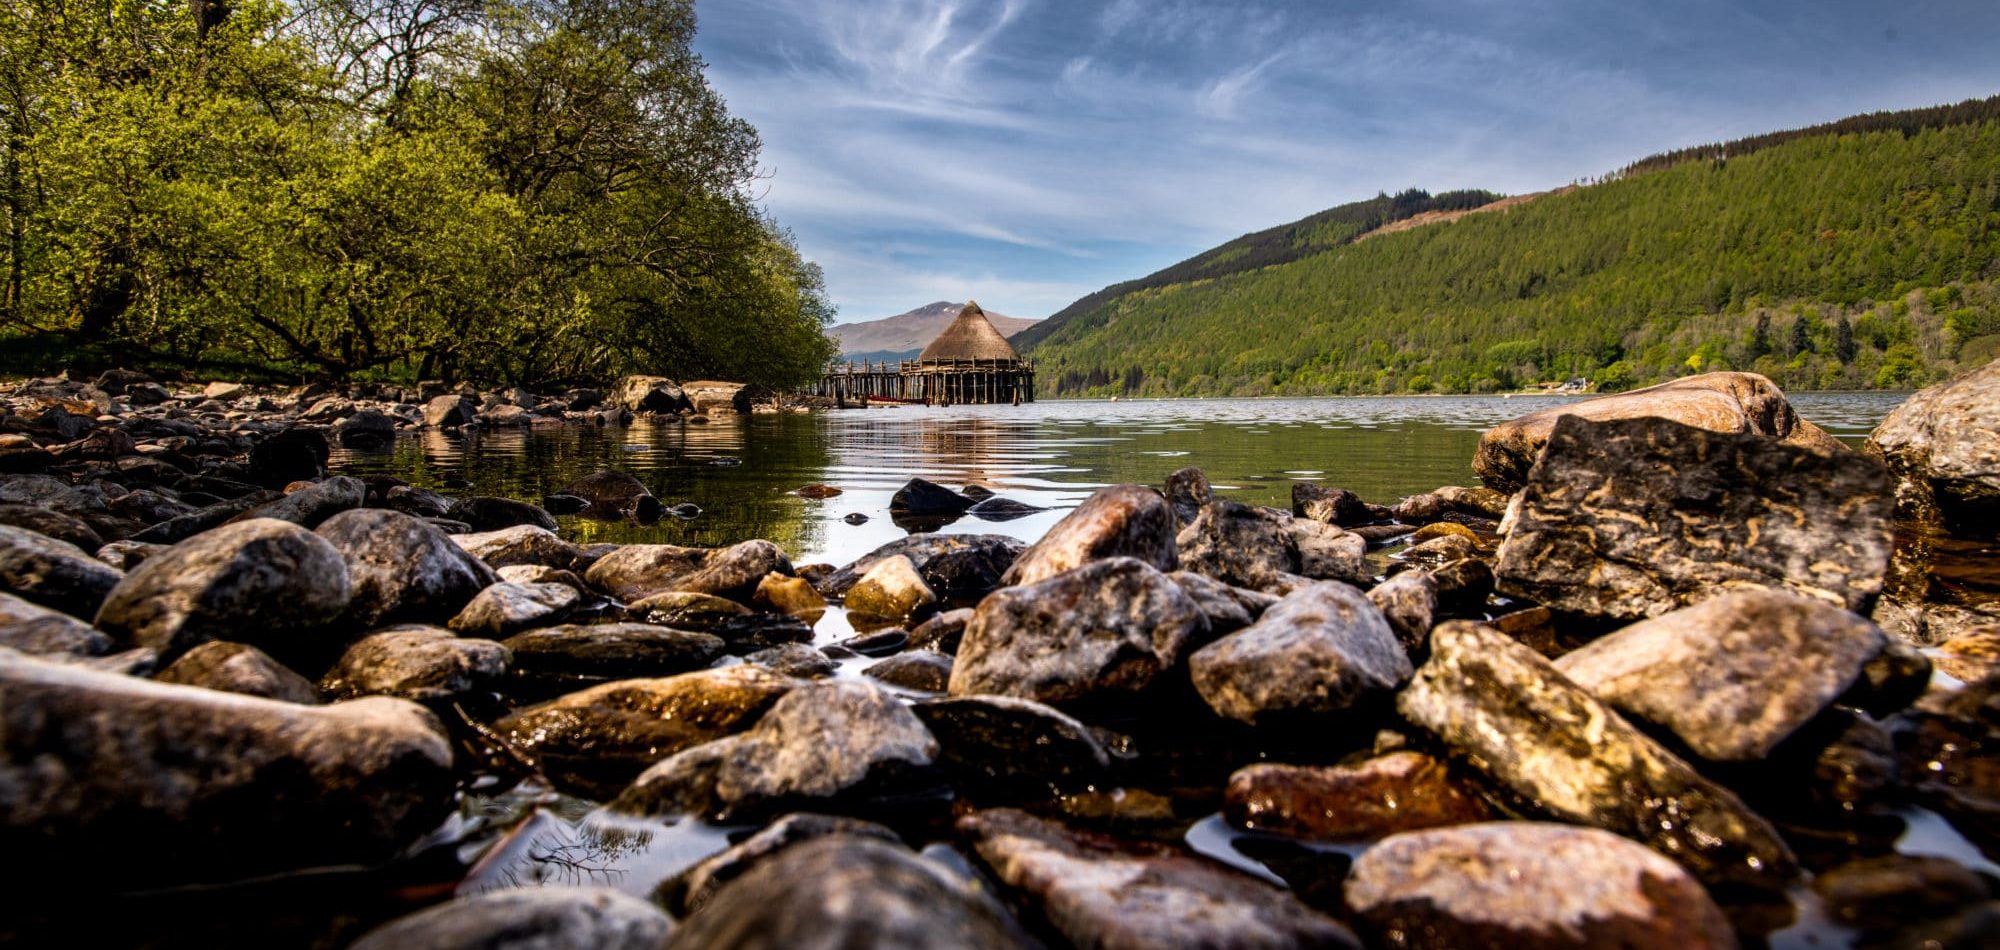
(1047, 454)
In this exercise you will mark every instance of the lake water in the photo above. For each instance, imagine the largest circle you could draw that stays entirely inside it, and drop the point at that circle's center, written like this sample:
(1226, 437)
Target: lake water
(741, 470)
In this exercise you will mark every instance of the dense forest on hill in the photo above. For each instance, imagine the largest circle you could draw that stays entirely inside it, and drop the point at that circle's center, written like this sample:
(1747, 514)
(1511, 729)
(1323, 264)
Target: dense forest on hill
(518, 191)
(1834, 260)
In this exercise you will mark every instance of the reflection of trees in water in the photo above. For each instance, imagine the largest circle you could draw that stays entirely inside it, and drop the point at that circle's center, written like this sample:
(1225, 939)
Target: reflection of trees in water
(971, 448)
(545, 849)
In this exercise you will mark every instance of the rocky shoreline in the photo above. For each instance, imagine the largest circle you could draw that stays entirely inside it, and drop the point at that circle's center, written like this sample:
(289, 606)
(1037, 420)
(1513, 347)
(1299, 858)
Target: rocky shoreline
(1678, 675)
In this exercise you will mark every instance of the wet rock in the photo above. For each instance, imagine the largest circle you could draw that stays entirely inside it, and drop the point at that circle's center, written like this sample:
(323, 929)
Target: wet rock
(1949, 745)
(1409, 601)
(293, 455)
(239, 668)
(1256, 548)
(268, 583)
(1007, 745)
(891, 592)
(1118, 521)
(616, 493)
(148, 507)
(1732, 676)
(528, 917)
(687, 611)
(1971, 656)
(694, 887)
(580, 654)
(917, 669)
(754, 631)
(183, 527)
(426, 664)
(1401, 791)
(1109, 627)
(312, 504)
(53, 573)
(824, 744)
(1887, 893)
(1001, 509)
(1889, 683)
(1100, 893)
(789, 595)
(920, 497)
(218, 786)
(450, 411)
(1188, 492)
(1519, 720)
(1335, 506)
(116, 382)
(1529, 884)
(1725, 403)
(654, 394)
(953, 565)
(1634, 518)
(875, 643)
(1324, 648)
(855, 517)
(564, 504)
(486, 513)
(1463, 585)
(844, 891)
(502, 610)
(637, 571)
(521, 544)
(366, 429)
(795, 659)
(943, 632)
(419, 502)
(51, 524)
(34, 629)
(1942, 445)
(1478, 502)
(1227, 608)
(401, 569)
(735, 571)
(599, 738)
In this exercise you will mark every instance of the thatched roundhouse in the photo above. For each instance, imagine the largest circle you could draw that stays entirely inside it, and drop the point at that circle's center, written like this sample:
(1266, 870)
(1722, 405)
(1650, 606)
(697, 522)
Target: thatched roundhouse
(970, 362)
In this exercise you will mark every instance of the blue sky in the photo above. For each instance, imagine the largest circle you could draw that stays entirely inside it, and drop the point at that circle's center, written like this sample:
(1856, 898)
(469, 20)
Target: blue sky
(1027, 152)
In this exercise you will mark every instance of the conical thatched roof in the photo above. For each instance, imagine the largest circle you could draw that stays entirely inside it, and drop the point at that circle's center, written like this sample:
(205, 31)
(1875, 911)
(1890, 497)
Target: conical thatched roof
(970, 337)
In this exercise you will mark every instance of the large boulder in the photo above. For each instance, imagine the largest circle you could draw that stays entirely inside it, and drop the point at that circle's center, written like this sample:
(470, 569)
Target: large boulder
(656, 394)
(534, 916)
(1529, 884)
(1731, 403)
(54, 573)
(1097, 892)
(1324, 648)
(268, 583)
(1731, 677)
(1109, 627)
(402, 569)
(1119, 521)
(1636, 517)
(1512, 715)
(217, 786)
(1943, 447)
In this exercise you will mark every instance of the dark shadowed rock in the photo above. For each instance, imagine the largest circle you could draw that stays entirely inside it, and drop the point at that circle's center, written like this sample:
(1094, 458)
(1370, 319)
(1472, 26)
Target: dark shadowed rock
(954, 565)
(218, 785)
(183, 527)
(1118, 521)
(1335, 506)
(916, 669)
(314, 503)
(1949, 748)
(1007, 745)
(654, 394)
(941, 633)
(841, 892)
(239, 668)
(268, 583)
(1942, 445)
(1725, 403)
(1518, 719)
(426, 664)
(1227, 608)
(51, 524)
(692, 888)
(1886, 893)
(581, 655)
(401, 569)
(1529, 884)
(1098, 892)
(1322, 649)
(1409, 601)
(293, 455)
(615, 493)
(1401, 791)
(485, 513)
(528, 918)
(920, 497)
(1252, 547)
(503, 609)
(1188, 492)
(366, 430)
(54, 573)
(37, 630)
(1633, 518)
(1001, 509)
(757, 631)
(1732, 676)
(418, 502)
(1108, 627)
(521, 544)
(600, 738)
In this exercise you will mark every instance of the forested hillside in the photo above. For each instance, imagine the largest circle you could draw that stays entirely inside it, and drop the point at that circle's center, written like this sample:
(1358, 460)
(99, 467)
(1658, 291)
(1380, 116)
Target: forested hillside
(518, 191)
(1836, 259)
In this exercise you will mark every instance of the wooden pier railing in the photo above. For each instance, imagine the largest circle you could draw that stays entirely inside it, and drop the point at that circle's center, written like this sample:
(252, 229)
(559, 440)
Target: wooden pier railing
(932, 382)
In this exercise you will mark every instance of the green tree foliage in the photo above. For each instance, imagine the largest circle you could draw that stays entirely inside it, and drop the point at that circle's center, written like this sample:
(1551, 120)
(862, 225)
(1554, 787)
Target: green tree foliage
(1835, 260)
(523, 191)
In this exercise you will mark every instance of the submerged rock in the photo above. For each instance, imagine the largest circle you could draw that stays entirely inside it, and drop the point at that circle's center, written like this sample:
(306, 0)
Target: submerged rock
(426, 664)
(401, 569)
(1119, 521)
(269, 583)
(1401, 791)
(1108, 627)
(216, 785)
(1633, 518)
(1725, 403)
(1732, 676)
(486, 513)
(1528, 884)
(54, 573)
(1322, 649)
(1519, 720)
(611, 494)
(1943, 447)
(1099, 893)
(239, 668)
(534, 916)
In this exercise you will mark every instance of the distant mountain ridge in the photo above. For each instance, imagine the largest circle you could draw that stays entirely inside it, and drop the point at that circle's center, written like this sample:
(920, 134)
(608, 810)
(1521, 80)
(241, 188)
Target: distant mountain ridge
(905, 335)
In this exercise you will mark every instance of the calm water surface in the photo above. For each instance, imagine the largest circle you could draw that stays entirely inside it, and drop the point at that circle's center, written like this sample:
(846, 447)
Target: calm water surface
(741, 470)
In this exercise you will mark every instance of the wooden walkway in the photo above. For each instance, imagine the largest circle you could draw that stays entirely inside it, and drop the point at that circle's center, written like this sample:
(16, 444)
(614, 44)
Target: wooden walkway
(931, 382)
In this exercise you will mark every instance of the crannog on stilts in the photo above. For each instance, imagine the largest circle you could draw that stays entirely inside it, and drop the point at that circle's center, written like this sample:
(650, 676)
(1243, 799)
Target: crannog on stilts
(970, 362)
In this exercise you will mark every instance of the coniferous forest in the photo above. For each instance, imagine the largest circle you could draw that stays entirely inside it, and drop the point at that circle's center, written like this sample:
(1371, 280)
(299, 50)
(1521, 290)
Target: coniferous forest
(505, 191)
(1861, 254)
